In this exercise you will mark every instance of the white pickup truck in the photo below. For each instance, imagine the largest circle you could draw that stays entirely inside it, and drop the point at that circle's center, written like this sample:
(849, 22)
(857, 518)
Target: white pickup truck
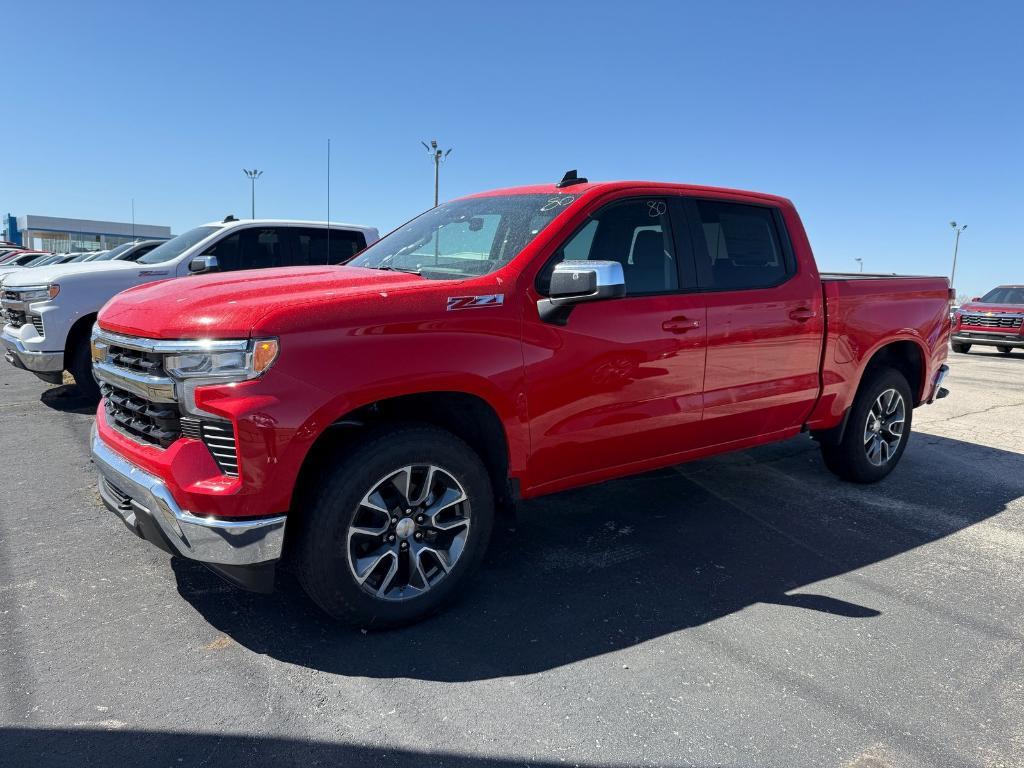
(48, 312)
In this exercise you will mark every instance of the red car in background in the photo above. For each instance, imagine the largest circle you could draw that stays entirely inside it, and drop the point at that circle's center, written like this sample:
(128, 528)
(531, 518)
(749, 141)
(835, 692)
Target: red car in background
(994, 320)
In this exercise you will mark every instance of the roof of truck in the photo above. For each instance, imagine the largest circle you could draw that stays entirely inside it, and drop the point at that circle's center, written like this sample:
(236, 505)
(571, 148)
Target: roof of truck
(609, 186)
(288, 222)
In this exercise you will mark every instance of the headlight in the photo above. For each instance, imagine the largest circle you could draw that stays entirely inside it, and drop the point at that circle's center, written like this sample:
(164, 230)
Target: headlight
(246, 361)
(39, 292)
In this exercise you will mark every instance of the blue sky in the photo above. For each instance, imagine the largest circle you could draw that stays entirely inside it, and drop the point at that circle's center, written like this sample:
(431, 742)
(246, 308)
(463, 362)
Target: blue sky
(881, 120)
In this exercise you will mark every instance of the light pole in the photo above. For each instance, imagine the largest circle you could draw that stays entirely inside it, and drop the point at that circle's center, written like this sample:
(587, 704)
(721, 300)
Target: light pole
(956, 247)
(859, 260)
(439, 156)
(253, 175)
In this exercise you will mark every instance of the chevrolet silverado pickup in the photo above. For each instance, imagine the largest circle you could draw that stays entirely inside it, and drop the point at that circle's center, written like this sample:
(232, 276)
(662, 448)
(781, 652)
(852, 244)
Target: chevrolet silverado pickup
(48, 312)
(993, 320)
(367, 423)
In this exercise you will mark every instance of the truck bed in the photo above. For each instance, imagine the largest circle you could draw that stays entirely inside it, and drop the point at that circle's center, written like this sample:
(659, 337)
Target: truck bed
(857, 306)
(831, 276)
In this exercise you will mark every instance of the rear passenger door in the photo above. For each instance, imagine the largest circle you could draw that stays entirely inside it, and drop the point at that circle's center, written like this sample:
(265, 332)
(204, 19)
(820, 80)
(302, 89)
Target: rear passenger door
(620, 383)
(764, 321)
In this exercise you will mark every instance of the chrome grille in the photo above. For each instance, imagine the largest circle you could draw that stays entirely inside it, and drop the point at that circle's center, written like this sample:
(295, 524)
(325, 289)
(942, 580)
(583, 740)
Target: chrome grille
(993, 321)
(135, 360)
(14, 318)
(154, 423)
(191, 427)
(220, 440)
(141, 399)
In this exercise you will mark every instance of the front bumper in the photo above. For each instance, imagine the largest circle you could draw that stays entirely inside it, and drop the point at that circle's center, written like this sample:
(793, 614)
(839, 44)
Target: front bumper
(144, 504)
(20, 356)
(989, 339)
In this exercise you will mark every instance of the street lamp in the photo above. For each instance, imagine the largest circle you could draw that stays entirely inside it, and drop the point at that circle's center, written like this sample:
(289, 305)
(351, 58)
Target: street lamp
(956, 247)
(859, 260)
(439, 156)
(253, 175)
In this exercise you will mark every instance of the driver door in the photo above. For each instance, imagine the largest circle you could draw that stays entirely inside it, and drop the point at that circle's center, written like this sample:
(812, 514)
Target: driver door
(620, 384)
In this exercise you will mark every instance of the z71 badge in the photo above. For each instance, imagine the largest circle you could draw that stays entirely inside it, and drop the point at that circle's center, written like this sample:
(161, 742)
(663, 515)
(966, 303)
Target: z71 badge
(475, 302)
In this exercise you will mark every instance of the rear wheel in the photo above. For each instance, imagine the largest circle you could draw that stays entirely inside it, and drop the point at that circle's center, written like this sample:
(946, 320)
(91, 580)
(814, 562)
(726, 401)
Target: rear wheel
(961, 348)
(877, 429)
(1006, 350)
(80, 368)
(399, 526)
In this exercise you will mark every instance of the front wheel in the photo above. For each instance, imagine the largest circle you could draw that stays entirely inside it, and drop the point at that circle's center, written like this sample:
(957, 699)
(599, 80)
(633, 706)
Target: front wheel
(398, 528)
(80, 367)
(963, 349)
(877, 429)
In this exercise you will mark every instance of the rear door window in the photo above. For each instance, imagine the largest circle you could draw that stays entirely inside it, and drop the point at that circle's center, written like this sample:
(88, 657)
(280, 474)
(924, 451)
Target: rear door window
(315, 246)
(742, 248)
(253, 248)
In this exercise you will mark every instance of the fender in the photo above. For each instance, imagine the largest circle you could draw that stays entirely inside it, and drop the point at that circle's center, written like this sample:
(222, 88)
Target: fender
(842, 380)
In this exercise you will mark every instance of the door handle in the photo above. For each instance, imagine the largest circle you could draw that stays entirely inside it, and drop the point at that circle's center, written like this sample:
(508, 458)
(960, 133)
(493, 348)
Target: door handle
(680, 325)
(802, 314)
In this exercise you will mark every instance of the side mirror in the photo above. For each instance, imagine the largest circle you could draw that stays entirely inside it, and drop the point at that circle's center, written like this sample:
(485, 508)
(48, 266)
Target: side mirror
(201, 264)
(576, 282)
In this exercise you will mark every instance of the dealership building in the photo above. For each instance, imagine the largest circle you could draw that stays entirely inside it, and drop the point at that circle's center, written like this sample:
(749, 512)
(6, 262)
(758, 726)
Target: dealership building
(51, 233)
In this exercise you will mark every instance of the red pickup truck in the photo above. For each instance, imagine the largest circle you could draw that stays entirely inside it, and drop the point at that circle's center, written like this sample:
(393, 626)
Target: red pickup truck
(993, 320)
(368, 422)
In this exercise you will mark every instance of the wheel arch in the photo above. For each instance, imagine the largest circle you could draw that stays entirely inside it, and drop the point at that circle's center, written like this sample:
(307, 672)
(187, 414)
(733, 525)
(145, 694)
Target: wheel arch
(468, 415)
(905, 354)
(81, 328)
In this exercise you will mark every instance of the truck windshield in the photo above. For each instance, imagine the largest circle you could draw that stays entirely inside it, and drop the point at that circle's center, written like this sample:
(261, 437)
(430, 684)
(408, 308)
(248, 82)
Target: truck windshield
(176, 246)
(465, 238)
(1004, 294)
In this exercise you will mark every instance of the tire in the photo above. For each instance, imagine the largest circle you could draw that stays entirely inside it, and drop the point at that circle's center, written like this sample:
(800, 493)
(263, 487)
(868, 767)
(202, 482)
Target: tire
(963, 349)
(80, 368)
(349, 574)
(858, 457)
(1006, 350)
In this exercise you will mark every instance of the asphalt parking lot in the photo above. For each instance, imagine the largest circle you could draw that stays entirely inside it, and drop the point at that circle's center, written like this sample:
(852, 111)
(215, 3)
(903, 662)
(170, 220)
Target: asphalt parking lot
(749, 610)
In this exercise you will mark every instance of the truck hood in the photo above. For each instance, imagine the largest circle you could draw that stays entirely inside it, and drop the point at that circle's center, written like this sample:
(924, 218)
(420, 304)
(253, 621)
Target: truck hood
(6, 271)
(229, 305)
(44, 275)
(977, 308)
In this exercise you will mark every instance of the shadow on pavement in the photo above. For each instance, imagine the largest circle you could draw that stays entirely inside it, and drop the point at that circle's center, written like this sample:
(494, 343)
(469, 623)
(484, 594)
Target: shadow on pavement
(595, 570)
(68, 399)
(78, 748)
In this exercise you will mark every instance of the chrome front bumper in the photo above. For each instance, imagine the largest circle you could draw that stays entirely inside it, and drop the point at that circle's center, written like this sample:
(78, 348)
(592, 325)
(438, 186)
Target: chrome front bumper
(36, 362)
(990, 339)
(144, 504)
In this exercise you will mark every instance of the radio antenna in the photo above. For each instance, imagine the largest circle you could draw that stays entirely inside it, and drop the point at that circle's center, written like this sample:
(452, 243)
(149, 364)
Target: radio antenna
(328, 201)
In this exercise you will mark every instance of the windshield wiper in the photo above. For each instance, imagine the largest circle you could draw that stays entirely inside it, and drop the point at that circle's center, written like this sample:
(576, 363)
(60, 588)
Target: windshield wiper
(390, 268)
